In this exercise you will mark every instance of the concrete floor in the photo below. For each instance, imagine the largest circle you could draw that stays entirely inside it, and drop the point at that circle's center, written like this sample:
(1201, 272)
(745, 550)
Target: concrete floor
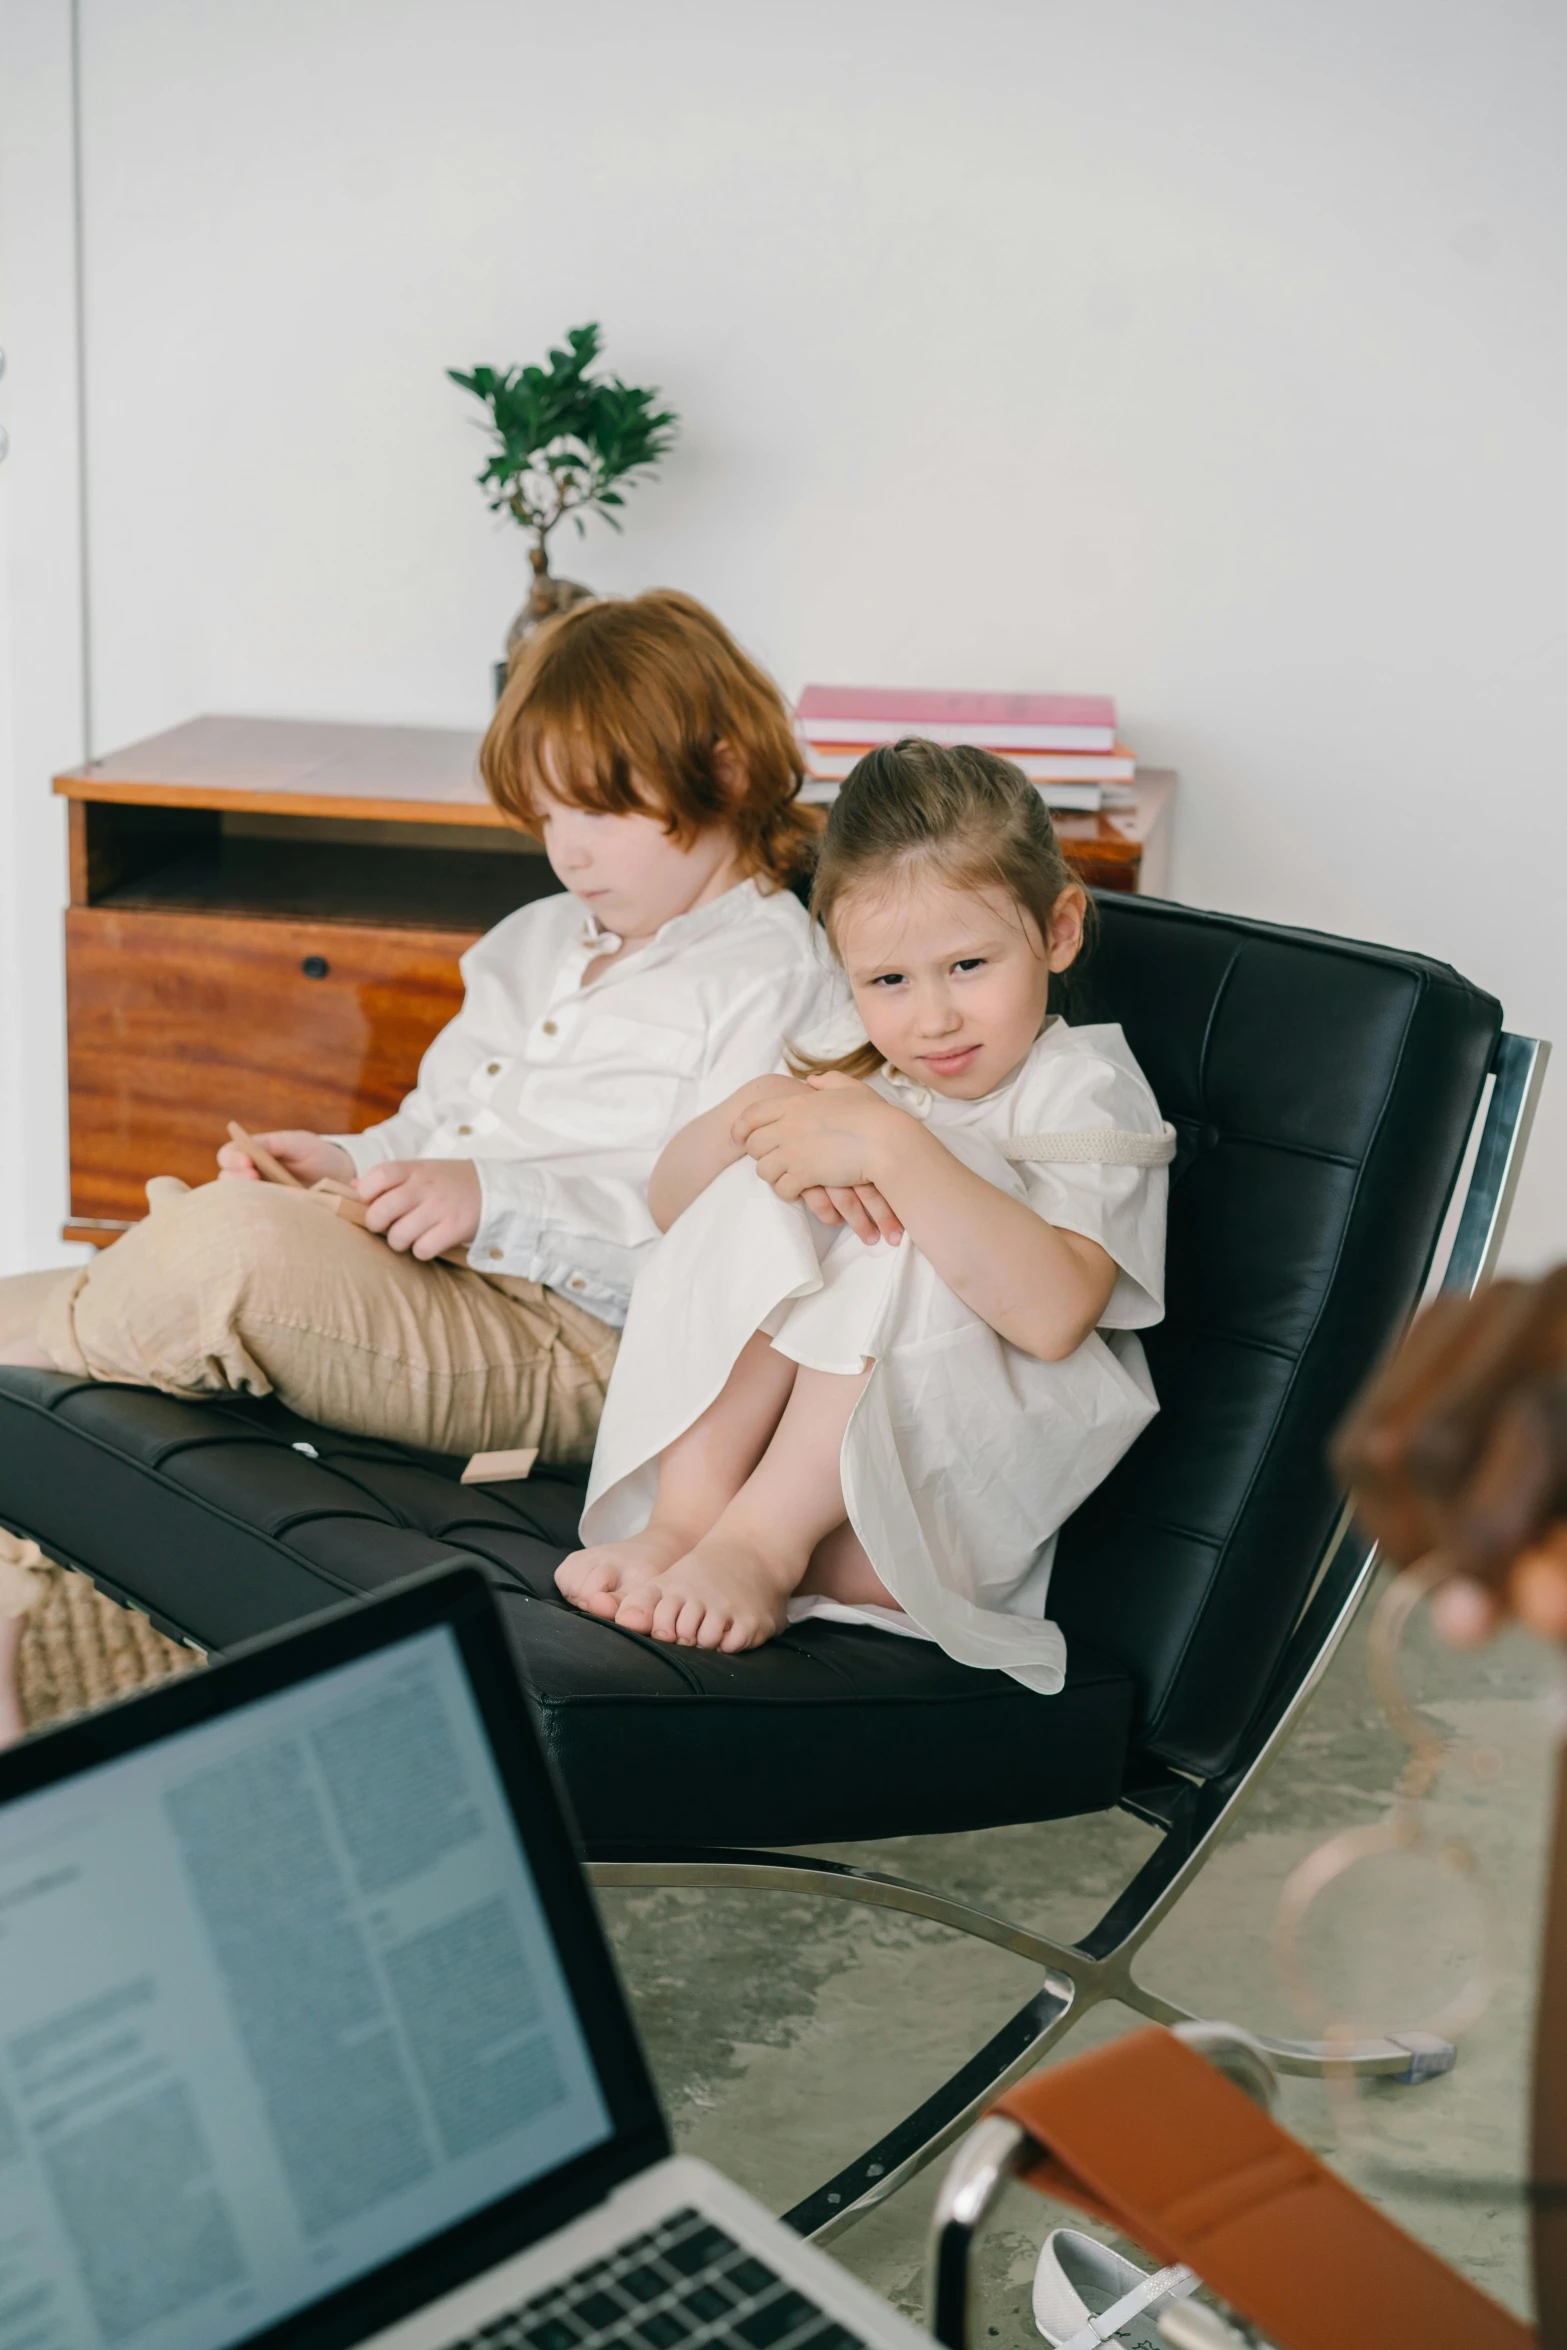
(786, 2033)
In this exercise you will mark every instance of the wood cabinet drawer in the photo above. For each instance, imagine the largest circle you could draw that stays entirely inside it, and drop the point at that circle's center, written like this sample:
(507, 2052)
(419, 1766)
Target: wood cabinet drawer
(180, 1022)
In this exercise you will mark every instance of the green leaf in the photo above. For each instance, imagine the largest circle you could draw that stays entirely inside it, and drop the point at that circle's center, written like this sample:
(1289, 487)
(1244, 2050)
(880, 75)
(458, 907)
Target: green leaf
(532, 409)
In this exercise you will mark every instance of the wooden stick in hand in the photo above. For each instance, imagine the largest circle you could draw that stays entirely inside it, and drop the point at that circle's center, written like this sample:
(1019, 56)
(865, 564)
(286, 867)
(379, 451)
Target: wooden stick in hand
(270, 1170)
(341, 1198)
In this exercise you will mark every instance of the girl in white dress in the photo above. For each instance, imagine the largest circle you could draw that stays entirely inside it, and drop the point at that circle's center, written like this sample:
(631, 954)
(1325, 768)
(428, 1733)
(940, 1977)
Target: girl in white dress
(886, 1345)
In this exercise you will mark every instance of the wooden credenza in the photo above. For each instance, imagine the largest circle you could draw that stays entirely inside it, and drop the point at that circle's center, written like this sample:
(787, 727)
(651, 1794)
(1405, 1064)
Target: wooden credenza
(265, 922)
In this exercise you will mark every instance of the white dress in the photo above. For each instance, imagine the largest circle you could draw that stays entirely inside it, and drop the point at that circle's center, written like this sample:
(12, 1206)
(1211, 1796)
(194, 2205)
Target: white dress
(963, 1455)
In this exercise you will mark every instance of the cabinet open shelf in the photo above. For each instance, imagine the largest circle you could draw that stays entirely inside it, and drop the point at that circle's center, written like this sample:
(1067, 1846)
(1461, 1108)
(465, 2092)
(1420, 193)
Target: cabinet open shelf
(333, 881)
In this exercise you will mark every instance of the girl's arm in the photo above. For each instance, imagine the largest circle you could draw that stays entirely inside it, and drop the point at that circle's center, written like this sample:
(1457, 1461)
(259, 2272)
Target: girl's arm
(700, 1152)
(1040, 1288)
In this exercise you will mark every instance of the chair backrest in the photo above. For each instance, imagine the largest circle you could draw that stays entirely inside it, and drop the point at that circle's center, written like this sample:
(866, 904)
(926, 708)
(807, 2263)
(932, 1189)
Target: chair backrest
(1324, 1092)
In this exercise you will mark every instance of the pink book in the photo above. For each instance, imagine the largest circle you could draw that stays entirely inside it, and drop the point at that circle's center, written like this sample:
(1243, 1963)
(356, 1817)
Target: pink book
(1001, 722)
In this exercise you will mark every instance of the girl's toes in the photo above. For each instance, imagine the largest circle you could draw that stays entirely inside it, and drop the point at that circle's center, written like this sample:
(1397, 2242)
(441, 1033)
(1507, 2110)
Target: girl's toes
(588, 1584)
(688, 1623)
(671, 1607)
(635, 1609)
(584, 1573)
(751, 1630)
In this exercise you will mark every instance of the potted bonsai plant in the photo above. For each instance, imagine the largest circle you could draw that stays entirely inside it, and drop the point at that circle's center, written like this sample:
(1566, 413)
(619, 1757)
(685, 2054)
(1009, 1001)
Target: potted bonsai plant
(566, 441)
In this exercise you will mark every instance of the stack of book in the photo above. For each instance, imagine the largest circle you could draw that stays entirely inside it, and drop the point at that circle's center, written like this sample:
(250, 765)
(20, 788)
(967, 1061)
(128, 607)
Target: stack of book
(1066, 743)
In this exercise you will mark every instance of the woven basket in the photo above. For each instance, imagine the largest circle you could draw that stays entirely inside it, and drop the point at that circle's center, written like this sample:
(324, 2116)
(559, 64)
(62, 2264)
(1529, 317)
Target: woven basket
(80, 1649)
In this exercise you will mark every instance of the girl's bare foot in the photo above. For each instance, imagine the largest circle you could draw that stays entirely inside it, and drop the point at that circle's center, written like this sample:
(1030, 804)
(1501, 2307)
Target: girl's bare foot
(726, 1594)
(594, 1579)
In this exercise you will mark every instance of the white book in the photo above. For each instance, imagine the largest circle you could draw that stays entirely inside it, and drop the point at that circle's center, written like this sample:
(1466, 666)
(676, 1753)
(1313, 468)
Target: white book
(1073, 799)
(834, 760)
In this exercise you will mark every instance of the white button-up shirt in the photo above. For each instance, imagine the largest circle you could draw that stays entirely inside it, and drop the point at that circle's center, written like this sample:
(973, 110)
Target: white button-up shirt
(563, 1095)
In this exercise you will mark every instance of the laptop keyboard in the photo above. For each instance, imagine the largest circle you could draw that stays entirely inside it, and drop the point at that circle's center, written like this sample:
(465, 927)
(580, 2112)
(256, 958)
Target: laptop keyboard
(684, 2282)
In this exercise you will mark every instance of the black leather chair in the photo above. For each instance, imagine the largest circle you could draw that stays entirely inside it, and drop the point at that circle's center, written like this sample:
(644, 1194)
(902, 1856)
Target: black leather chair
(1324, 1093)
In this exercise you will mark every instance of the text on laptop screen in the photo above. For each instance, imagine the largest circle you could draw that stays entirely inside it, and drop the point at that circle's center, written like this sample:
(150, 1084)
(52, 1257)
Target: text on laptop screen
(280, 2002)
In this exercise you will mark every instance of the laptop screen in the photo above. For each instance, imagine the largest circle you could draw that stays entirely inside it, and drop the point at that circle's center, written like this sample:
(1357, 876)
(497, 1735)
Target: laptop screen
(281, 2002)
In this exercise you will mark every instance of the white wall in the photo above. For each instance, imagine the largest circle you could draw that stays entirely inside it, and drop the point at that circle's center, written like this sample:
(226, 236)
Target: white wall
(1213, 354)
(41, 696)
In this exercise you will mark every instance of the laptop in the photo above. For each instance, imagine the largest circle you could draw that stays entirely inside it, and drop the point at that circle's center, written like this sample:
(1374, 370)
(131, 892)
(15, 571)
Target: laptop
(310, 2036)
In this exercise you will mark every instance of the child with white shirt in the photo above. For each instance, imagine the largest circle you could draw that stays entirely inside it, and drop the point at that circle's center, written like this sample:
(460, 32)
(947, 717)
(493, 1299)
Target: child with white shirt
(658, 767)
(885, 1413)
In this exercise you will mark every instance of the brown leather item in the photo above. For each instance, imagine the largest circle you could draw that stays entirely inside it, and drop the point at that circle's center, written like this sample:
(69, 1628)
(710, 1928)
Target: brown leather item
(1548, 2148)
(1146, 2135)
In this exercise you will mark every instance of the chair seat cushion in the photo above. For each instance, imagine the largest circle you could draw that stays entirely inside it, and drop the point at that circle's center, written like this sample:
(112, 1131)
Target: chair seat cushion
(230, 1519)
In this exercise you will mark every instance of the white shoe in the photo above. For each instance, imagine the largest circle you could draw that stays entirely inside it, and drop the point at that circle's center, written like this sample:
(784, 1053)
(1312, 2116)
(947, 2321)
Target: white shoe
(1085, 2294)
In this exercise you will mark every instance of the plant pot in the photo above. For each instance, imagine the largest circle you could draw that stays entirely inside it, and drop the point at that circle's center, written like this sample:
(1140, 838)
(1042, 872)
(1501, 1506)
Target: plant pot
(547, 599)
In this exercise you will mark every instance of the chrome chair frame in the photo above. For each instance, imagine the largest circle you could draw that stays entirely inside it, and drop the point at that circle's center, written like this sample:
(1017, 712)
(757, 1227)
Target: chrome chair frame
(1192, 1816)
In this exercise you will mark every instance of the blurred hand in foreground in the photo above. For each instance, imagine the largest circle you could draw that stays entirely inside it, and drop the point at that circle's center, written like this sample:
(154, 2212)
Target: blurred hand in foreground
(1459, 1446)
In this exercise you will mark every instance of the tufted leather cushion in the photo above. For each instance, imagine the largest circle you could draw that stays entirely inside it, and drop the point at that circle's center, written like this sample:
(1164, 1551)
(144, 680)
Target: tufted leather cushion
(1323, 1092)
(208, 1518)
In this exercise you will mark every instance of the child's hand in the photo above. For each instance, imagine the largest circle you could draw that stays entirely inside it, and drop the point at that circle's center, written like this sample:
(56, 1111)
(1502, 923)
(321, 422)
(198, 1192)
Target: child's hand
(831, 1134)
(309, 1156)
(424, 1205)
(757, 1090)
(862, 1208)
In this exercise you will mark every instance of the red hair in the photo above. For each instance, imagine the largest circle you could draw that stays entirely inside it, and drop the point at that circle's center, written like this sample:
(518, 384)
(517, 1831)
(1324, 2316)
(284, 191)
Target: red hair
(628, 705)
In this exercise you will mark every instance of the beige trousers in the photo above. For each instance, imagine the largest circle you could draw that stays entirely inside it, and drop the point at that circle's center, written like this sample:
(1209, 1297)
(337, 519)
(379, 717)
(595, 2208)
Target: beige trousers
(251, 1288)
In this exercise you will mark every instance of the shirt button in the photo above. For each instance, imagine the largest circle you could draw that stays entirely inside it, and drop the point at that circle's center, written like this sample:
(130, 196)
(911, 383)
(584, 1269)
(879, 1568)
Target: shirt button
(465, 1129)
(493, 1070)
(496, 1255)
(548, 1027)
(577, 1281)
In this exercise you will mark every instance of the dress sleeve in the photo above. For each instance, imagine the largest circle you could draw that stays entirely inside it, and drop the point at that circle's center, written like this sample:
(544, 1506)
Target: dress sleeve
(1120, 1207)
